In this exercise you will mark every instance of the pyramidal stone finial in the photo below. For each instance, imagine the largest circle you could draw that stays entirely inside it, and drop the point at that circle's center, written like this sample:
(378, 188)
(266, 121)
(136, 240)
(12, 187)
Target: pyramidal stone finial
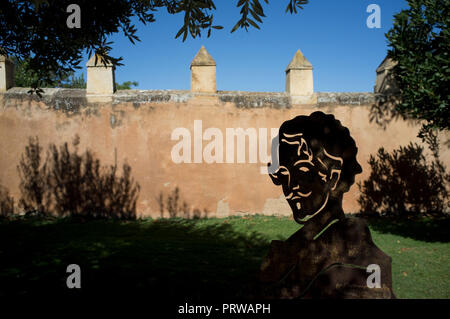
(203, 58)
(299, 76)
(385, 82)
(203, 73)
(100, 77)
(299, 62)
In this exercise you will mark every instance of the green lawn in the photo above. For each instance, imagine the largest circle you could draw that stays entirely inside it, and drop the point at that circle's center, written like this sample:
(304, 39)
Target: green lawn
(199, 259)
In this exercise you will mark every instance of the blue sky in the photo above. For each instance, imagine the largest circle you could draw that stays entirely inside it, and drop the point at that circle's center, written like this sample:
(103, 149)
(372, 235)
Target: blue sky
(332, 35)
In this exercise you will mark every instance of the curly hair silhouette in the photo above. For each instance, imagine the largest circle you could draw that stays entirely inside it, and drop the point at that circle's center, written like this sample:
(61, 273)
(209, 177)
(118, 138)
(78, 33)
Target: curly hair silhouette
(323, 132)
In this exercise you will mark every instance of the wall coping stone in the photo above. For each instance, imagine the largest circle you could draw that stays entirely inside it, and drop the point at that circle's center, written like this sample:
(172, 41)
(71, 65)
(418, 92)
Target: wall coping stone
(72, 99)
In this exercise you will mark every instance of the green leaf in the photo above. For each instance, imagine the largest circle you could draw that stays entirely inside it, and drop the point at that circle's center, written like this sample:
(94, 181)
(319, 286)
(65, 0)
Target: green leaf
(236, 26)
(253, 23)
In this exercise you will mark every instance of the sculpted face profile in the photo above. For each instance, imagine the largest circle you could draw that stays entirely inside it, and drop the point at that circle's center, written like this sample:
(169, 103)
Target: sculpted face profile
(317, 164)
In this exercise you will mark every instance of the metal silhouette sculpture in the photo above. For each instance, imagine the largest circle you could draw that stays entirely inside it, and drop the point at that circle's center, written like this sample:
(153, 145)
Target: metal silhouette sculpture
(328, 257)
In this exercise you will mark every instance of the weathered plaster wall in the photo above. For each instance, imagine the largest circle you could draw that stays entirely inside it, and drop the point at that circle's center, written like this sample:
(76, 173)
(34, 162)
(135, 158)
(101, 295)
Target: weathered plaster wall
(139, 124)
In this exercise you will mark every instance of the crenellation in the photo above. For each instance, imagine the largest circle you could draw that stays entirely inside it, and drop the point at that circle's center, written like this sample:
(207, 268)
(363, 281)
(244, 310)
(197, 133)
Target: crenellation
(6, 73)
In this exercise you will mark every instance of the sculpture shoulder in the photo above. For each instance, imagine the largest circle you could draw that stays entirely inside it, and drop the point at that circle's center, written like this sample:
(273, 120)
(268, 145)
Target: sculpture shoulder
(356, 232)
(354, 229)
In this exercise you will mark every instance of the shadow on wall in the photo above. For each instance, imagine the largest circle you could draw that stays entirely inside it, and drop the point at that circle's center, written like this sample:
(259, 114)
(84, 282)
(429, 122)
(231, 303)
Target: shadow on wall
(6, 202)
(383, 111)
(404, 183)
(175, 206)
(68, 184)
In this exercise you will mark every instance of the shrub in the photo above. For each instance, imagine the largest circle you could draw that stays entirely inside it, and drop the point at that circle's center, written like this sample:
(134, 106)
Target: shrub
(176, 206)
(403, 181)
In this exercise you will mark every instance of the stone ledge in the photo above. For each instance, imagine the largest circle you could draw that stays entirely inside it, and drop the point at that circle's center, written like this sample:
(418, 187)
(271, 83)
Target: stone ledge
(66, 100)
(151, 96)
(345, 98)
(256, 99)
(72, 100)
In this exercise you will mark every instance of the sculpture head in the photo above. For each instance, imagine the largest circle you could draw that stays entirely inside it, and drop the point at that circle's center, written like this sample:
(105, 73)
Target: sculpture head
(317, 163)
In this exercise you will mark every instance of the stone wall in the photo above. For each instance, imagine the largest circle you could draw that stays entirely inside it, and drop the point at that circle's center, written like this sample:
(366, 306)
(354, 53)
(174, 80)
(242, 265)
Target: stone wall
(138, 127)
(168, 137)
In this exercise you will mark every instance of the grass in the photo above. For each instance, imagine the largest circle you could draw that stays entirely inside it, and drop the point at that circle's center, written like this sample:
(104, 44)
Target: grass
(195, 259)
